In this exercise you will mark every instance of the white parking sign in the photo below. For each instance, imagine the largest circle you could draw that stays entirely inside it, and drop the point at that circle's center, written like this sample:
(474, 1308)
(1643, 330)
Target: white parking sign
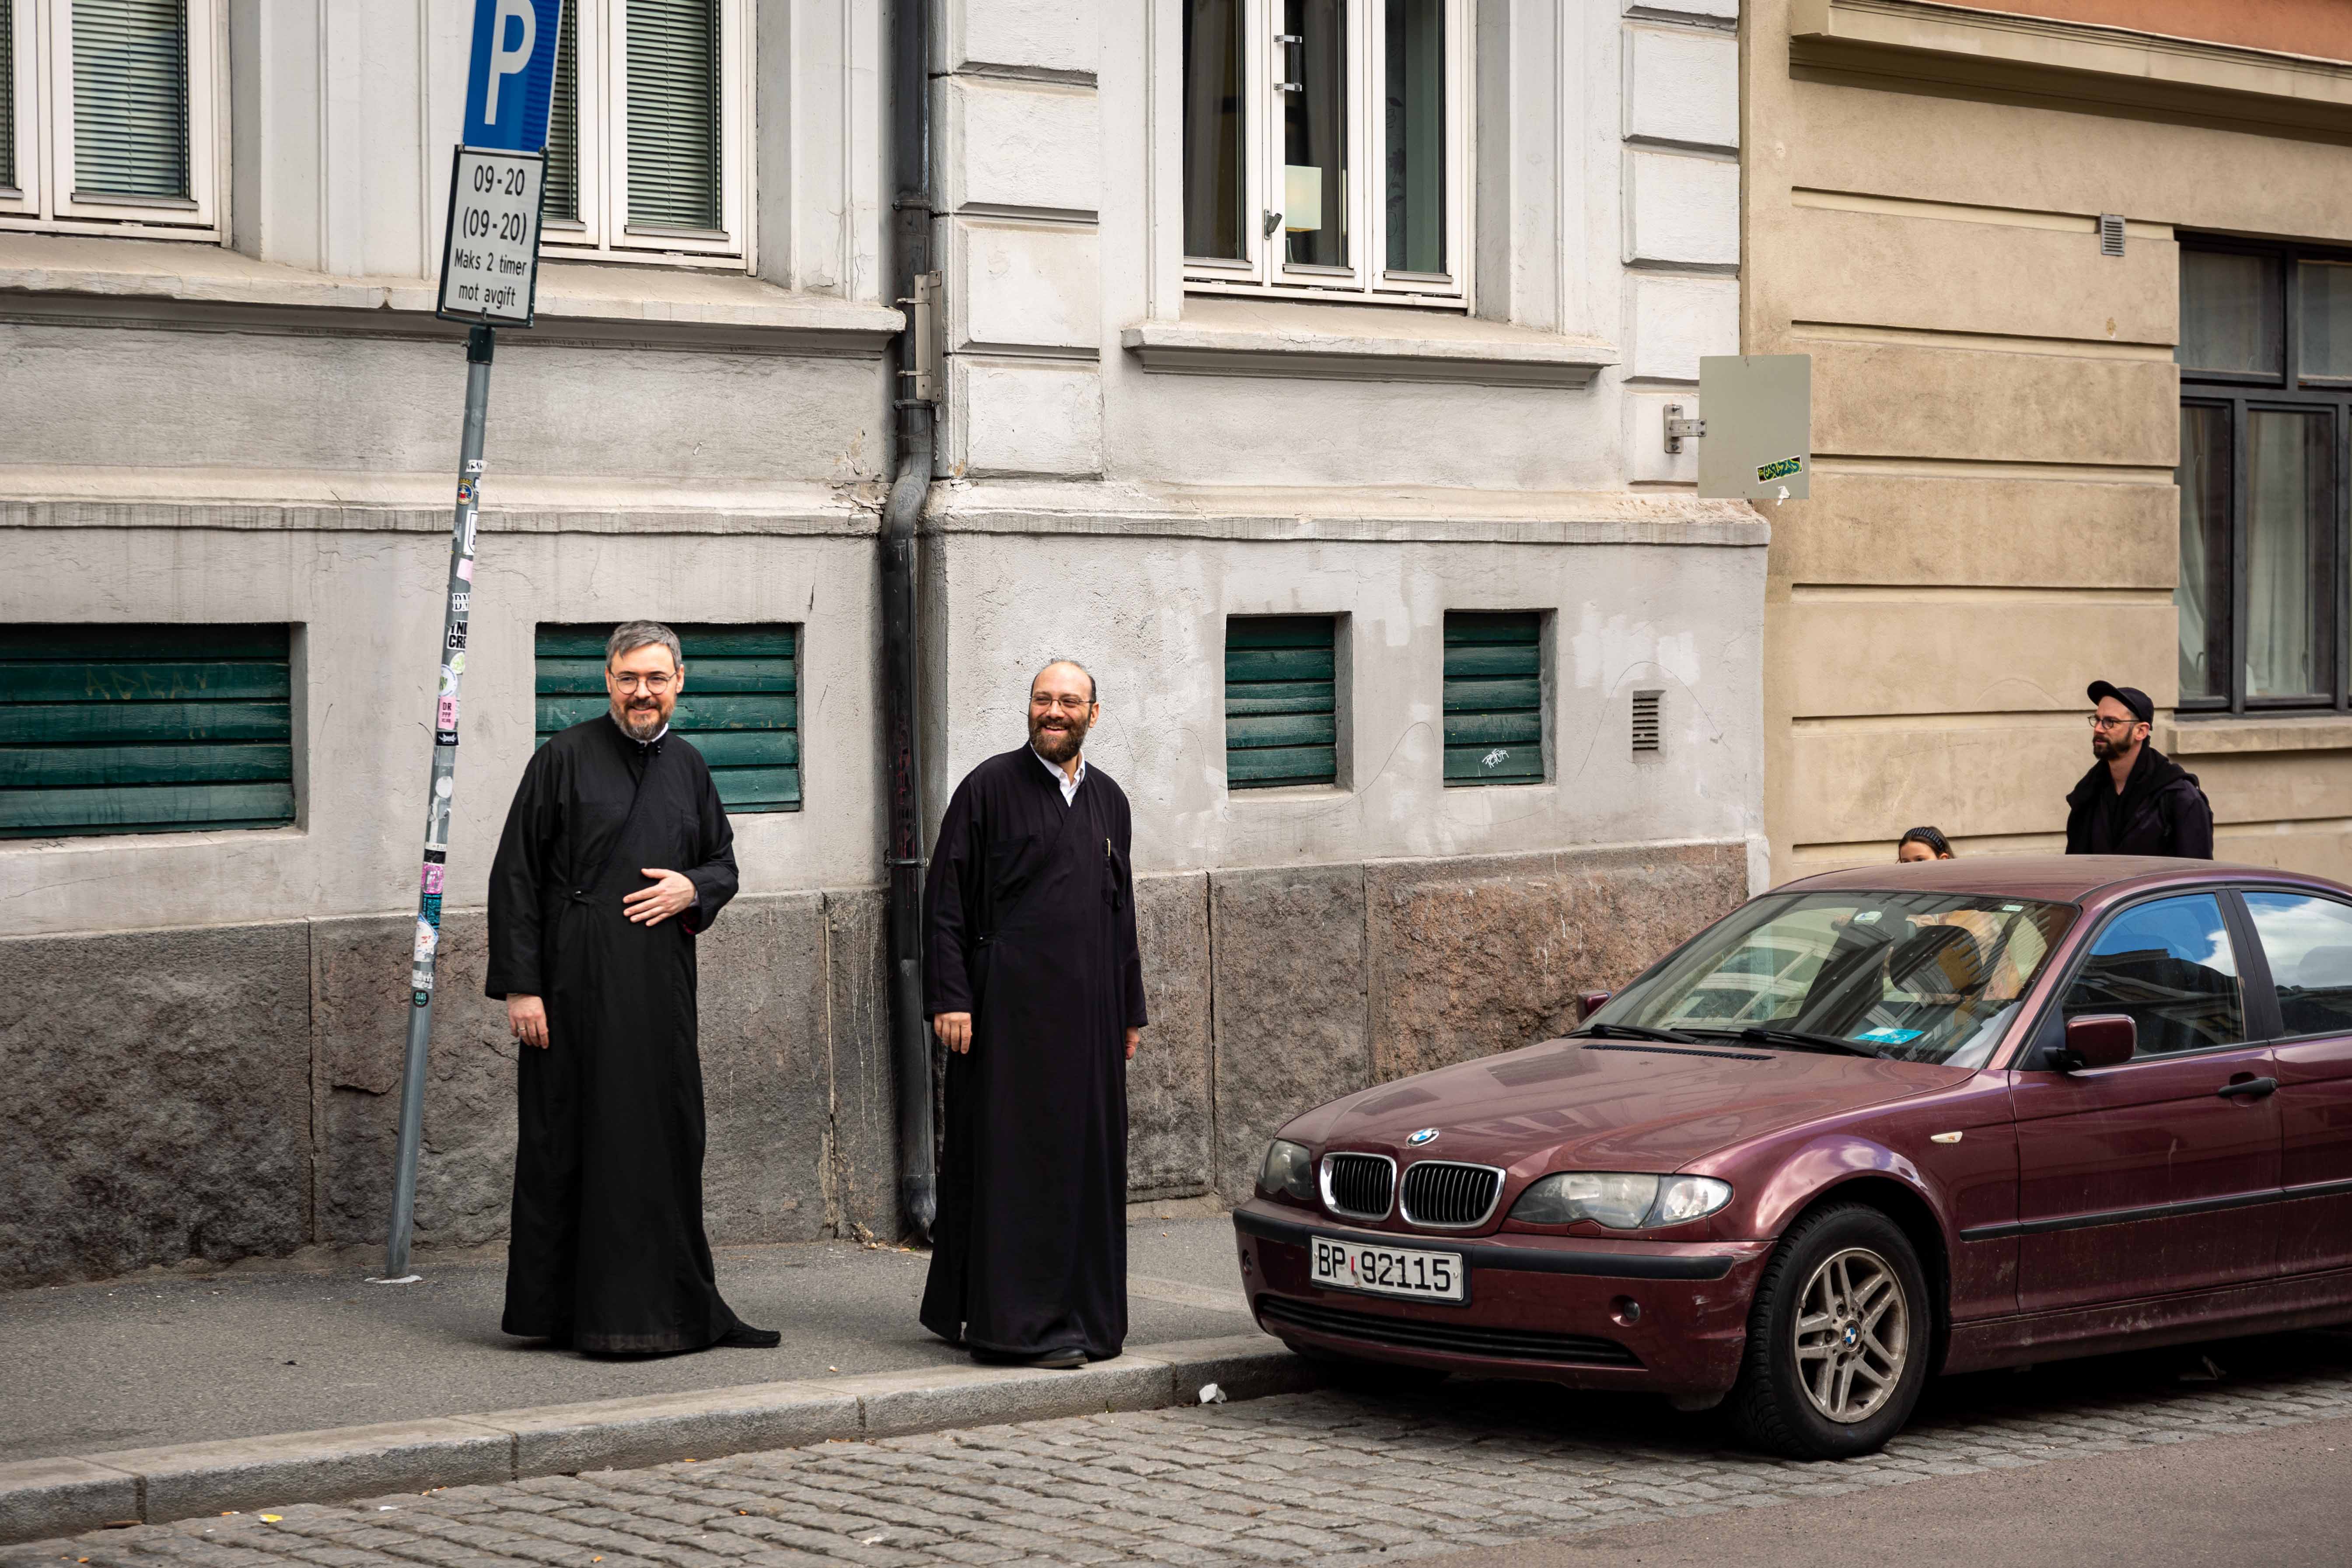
(489, 262)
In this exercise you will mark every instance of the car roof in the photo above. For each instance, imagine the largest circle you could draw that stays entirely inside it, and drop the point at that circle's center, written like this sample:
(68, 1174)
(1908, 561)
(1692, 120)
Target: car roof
(2063, 878)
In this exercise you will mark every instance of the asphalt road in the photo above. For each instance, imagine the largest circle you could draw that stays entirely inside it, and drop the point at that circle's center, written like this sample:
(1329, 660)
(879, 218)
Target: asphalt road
(2148, 1461)
(171, 1357)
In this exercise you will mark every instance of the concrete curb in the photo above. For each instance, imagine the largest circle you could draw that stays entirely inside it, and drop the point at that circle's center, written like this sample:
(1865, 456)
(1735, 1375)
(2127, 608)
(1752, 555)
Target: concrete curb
(44, 1498)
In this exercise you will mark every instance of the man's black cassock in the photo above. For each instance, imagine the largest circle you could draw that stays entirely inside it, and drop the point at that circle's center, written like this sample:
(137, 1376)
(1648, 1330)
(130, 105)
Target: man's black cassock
(608, 1246)
(1029, 912)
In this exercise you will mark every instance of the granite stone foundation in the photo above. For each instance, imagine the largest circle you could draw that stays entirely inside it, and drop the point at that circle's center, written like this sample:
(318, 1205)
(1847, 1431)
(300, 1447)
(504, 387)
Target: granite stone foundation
(154, 1100)
(230, 1092)
(1167, 1121)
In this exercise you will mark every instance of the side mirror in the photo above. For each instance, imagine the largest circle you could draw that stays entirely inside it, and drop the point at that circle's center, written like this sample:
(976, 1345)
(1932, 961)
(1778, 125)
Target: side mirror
(2097, 1040)
(1588, 1003)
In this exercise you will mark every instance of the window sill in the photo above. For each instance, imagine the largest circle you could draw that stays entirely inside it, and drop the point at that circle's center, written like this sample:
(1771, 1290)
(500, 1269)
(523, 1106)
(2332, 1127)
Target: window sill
(2090, 64)
(165, 284)
(2239, 735)
(1349, 343)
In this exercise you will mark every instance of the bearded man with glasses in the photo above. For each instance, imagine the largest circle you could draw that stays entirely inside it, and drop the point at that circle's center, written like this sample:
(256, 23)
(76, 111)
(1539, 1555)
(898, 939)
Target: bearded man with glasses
(616, 856)
(2135, 800)
(1034, 984)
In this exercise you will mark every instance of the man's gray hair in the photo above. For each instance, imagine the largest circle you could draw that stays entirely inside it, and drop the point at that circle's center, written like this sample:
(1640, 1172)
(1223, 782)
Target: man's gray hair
(631, 636)
(1092, 694)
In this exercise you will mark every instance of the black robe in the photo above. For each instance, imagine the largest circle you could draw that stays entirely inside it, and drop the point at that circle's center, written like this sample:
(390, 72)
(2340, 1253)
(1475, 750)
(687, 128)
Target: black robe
(607, 1248)
(1029, 914)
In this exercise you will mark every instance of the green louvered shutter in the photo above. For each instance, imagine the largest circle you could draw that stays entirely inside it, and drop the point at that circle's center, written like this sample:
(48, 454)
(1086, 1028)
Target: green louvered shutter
(741, 706)
(674, 114)
(131, 98)
(1494, 697)
(7, 95)
(144, 729)
(560, 198)
(1282, 724)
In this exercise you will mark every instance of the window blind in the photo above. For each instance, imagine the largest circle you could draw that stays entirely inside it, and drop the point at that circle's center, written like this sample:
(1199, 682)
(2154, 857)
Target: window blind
(741, 706)
(144, 729)
(1282, 721)
(1494, 697)
(560, 196)
(130, 99)
(673, 128)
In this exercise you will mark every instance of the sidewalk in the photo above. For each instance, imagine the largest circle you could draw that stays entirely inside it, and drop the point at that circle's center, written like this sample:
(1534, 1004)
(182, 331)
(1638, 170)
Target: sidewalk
(172, 1357)
(173, 1394)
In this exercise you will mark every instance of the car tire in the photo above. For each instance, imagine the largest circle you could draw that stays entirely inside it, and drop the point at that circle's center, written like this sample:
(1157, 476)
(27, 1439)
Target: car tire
(1838, 1338)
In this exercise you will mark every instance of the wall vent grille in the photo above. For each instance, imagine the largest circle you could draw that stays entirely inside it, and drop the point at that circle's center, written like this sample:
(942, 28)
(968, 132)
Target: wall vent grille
(2111, 234)
(1645, 721)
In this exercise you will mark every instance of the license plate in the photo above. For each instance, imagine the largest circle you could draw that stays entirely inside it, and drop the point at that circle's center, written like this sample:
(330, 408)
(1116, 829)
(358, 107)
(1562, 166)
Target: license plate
(1388, 1270)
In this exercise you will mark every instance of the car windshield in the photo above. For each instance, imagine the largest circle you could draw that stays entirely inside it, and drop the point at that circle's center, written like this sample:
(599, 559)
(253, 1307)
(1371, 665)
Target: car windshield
(1922, 977)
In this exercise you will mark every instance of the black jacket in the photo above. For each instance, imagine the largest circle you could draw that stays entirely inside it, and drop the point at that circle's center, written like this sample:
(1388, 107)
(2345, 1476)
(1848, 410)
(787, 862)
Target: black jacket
(2162, 812)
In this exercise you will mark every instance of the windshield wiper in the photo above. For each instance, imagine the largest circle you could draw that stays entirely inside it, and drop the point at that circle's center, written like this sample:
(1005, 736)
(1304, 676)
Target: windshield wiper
(1801, 1039)
(1635, 1032)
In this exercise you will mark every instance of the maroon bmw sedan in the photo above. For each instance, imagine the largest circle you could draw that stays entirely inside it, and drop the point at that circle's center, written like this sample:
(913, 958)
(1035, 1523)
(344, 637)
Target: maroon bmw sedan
(1872, 1126)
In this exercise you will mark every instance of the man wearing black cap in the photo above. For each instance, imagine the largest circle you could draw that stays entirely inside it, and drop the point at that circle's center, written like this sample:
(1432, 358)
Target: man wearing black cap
(2135, 800)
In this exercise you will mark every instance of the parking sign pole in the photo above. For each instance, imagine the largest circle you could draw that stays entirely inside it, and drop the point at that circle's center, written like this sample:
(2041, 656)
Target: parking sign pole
(456, 611)
(490, 278)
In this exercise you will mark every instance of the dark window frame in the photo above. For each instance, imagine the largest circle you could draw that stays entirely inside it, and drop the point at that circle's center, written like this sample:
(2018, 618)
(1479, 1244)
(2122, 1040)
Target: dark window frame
(2241, 393)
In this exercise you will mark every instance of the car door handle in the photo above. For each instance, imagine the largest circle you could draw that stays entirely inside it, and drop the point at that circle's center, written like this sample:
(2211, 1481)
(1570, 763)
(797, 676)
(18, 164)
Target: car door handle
(2248, 1088)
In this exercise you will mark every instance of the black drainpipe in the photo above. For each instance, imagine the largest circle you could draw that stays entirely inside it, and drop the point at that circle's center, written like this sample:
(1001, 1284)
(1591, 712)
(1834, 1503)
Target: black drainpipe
(910, 238)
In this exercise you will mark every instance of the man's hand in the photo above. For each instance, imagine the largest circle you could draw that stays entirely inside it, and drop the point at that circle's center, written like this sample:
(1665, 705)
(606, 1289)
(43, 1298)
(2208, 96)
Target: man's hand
(527, 1019)
(1134, 1038)
(671, 895)
(954, 1031)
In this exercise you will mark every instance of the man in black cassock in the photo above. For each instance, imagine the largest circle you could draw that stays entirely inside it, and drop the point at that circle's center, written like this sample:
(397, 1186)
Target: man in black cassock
(1036, 986)
(592, 945)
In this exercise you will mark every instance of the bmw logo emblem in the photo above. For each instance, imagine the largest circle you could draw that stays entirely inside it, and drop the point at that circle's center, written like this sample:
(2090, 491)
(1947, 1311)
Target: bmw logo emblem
(1852, 1337)
(1424, 1136)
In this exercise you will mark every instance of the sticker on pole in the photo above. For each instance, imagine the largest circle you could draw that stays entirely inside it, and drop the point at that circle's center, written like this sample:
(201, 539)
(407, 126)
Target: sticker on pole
(489, 259)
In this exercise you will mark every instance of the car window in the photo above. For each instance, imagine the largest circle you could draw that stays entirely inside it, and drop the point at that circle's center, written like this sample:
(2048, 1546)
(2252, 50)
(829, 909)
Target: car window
(1931, 977)
(2168, 967)
(2309, 941)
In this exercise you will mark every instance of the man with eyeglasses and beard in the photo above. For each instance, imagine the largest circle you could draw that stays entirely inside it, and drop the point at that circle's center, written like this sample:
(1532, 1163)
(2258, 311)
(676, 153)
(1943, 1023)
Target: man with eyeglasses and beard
(2135, 800)
(1035, 984)
(616, 856)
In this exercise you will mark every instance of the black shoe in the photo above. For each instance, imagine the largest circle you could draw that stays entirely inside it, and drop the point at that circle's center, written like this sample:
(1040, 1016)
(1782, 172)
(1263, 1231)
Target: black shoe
(744, 1337)
(1069, 1358)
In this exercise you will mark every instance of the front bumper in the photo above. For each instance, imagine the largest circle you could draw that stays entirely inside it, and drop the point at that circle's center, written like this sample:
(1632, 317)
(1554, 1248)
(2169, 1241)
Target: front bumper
(1546, 1307)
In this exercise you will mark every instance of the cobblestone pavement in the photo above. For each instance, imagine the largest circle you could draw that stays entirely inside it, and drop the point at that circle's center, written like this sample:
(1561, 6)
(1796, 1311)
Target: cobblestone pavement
(1329, 1477)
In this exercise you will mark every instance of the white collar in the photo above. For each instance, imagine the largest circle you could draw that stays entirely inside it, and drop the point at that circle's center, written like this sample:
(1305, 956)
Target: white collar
(1069, 780)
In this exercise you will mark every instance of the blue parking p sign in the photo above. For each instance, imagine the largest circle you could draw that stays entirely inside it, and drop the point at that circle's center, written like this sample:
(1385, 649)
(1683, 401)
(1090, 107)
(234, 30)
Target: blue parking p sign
(512, 77)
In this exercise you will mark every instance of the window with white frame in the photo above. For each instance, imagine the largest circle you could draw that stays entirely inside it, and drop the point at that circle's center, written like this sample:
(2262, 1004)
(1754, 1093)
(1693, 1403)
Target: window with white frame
(648, 148)
(109, 116)
(1325, 148)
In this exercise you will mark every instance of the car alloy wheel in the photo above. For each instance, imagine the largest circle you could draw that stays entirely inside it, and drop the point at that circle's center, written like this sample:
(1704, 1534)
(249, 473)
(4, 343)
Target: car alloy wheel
(1837, 1337)
(1853, 1335)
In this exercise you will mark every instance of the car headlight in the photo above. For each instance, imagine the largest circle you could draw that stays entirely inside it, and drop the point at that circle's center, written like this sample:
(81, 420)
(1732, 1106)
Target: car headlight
(1288, 1172)
(1621, 1202)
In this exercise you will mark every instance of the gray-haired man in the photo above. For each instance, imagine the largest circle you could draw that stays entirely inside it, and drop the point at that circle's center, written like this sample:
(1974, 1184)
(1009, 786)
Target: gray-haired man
(617, 854)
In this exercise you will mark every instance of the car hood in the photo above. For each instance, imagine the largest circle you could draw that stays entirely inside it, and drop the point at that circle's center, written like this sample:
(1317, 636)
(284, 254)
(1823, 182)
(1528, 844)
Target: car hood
(1619, 1105)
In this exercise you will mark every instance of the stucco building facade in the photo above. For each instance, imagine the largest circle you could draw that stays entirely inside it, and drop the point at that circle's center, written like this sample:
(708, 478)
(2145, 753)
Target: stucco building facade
(2047, 453)
(1242, 400)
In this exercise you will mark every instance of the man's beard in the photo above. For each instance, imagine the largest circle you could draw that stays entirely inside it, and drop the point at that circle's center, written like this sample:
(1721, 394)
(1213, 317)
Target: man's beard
(1058, 746)
(641, 723)
(2106, 747)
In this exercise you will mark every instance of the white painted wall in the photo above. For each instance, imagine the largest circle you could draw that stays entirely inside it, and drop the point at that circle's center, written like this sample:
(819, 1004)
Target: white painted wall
(239, 441)
(1148, 615)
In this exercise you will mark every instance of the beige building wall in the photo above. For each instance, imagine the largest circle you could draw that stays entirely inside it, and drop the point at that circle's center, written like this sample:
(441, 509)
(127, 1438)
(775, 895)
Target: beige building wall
(1993, 520)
